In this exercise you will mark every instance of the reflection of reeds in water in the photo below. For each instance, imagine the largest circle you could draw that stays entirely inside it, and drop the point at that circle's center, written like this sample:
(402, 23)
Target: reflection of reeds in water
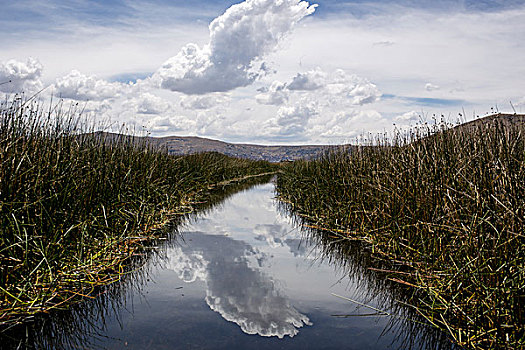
(83, 325)
(76, 205)
(447, 205)
(354, 259)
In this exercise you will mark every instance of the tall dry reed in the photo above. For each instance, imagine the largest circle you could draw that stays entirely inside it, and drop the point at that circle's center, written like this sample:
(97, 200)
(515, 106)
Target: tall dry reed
(74, 203)
(445, 205)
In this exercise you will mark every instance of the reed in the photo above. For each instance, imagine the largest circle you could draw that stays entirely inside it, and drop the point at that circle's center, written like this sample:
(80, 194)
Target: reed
(445, 206)
(75, 205)
(81, 325)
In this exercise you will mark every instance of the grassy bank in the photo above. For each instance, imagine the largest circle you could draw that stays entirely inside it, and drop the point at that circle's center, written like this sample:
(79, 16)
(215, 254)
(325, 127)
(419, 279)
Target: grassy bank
(75, 207)
(80, 326)
(445, 207)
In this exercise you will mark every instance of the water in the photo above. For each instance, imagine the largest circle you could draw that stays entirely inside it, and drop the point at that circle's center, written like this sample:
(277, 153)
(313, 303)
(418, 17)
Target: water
(239, 276)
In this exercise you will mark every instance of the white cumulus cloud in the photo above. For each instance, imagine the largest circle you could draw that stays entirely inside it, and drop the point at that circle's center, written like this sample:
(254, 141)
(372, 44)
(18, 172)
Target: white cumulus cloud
(356, 90)
(77, 86)
(207, 101)
(311, 105)
(316, 85)
(431, 87)
(347, 124)
(311, 80)
(147, 103)
(276, 94)
(21, 77)
(163, 124)
(239, 40)
(293, 120)
(408, 117)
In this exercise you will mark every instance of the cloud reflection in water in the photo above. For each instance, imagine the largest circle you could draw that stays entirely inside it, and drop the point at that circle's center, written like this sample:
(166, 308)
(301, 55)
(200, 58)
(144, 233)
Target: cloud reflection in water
(278, 235)
(235, 289)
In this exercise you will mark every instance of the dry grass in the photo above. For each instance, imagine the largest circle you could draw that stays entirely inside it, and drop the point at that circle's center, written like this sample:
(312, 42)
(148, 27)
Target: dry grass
(447, 207)
(75, 207)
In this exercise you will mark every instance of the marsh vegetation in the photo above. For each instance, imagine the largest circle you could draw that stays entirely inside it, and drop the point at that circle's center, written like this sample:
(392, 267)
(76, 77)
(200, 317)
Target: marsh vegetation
(444, 208)
(238, 275)
(83, 323)
(75, 206)
(437, 213)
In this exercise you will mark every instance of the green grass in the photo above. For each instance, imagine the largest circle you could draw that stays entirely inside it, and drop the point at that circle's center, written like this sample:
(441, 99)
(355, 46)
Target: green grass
(446, 207)
(75, 206)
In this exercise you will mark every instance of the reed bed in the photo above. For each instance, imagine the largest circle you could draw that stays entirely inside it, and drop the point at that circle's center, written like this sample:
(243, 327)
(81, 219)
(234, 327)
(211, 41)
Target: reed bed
(445, 206)
(75, 205)
(81, 325)
(352, 257)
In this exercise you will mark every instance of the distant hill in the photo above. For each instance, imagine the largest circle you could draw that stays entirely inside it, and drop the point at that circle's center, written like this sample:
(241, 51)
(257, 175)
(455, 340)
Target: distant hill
(185, 145)
(180, 145)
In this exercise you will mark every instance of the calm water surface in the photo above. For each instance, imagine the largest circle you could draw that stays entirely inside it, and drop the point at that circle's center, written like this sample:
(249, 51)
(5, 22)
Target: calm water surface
(238, 277)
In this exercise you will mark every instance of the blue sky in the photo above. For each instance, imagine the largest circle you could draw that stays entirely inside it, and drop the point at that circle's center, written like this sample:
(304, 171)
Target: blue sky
(268, 71)
(22, 15)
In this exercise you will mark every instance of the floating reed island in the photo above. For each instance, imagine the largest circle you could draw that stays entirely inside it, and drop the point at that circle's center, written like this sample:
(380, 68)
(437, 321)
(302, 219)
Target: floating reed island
(444, 205)
(75, 206)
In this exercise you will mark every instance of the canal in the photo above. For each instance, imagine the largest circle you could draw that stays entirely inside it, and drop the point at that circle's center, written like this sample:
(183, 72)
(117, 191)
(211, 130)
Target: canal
(240, 275)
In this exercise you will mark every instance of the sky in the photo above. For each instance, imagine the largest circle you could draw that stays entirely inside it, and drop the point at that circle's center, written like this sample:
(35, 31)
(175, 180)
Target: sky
(267, 71)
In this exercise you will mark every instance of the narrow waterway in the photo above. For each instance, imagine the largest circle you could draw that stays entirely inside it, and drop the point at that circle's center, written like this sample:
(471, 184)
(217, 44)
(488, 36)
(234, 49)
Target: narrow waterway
(236, 277)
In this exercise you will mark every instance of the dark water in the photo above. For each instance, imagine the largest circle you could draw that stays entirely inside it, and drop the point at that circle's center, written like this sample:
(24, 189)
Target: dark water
(238, 277)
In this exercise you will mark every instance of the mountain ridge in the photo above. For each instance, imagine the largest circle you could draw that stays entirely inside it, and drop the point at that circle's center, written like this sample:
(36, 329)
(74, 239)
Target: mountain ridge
(181, 145)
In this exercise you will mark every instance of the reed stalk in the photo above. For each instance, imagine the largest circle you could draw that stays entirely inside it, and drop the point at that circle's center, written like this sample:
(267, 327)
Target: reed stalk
(77, 205)
(446, 206)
